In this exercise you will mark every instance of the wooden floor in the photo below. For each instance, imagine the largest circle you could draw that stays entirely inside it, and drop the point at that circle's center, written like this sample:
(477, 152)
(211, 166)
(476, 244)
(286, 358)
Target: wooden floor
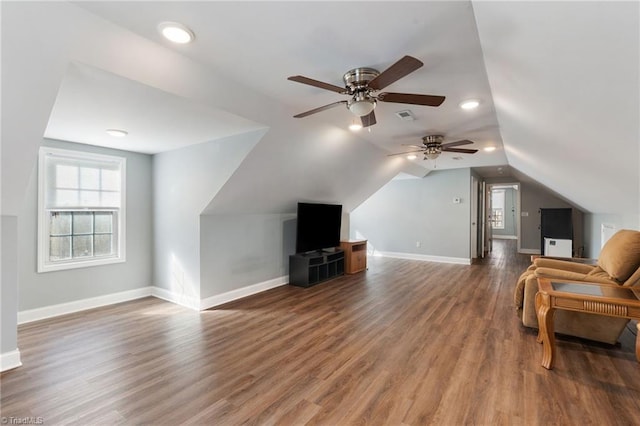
(406, 343)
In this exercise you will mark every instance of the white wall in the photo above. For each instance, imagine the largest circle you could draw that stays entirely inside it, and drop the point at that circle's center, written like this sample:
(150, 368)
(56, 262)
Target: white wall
(184, 182)
(242, 250)
(592, 227)
(407, 211)
(38, 290)
(9, 291)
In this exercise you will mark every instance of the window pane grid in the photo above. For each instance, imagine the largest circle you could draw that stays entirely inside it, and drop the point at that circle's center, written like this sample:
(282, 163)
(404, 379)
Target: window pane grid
(497, 218)
(81, 240)
(82, 183)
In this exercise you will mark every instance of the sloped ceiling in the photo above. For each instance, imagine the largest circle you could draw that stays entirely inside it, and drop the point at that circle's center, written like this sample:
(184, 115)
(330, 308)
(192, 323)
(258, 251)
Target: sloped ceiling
(558, 81)
(260, 44)
(565, 83)
(90, 101)
(563, 76)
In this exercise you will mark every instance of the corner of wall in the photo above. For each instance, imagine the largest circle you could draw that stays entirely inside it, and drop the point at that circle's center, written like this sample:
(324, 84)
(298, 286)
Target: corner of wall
(10, 360)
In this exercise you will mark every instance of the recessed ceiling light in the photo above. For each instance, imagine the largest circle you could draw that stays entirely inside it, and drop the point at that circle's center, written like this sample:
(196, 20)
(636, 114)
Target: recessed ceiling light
(489, 148)
(354, 127)
(412, 156)
(117, 133)
(176, 32)
(470, 104)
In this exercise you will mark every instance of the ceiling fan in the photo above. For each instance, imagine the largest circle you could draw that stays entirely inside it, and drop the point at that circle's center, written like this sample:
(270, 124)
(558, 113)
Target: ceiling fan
(432, 147)
(362, 83)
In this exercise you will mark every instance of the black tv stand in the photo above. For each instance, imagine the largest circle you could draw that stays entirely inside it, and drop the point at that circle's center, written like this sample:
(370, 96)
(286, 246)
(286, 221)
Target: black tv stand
(307, 269)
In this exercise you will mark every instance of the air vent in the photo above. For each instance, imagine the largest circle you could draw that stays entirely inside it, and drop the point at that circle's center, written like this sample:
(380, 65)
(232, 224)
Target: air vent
(405, 115)
(456, 158)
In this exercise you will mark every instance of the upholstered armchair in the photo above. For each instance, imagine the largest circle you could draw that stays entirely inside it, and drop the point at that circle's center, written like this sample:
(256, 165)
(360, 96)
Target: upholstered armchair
(618, 265)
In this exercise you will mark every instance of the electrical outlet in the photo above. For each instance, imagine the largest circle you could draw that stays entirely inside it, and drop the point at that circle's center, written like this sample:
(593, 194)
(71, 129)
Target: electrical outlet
(418, 244)
(524, 214)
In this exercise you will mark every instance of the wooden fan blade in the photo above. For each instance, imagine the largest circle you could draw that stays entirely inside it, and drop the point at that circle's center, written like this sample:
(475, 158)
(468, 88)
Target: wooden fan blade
(415, 146)
(316, 83)
(369, 120)
(410, 98)
(395, 72)
(461, 150)
(408, 152)
(322, 108)
(457, 143)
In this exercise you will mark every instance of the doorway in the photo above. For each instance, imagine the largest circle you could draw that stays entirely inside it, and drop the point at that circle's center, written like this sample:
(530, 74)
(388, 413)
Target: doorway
(503, 212)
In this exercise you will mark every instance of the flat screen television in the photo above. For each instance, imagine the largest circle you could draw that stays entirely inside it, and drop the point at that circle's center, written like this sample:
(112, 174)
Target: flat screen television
(318, 226)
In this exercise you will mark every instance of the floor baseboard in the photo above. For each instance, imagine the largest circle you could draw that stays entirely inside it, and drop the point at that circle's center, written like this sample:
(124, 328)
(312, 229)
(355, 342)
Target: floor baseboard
(250, 290)
(424, 257)
(45, 312)
(10, 360)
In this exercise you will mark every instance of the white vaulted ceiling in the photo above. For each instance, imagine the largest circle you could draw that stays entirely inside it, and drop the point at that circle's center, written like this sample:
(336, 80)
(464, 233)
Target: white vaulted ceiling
(558, 81)
(260, 44)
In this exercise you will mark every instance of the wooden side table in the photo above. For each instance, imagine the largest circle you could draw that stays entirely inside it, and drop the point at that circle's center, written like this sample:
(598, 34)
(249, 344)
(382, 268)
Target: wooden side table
(600, 299)
(355, 255)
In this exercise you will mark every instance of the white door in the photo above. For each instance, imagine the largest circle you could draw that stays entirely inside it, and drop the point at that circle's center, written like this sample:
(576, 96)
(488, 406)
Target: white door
(483, 219)
(474, 217)
(488, 220)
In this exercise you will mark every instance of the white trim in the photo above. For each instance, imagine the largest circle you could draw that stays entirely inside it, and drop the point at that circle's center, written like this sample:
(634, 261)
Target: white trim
(529, 251)
(190, 302)
(82, 305)
(424, 257)
(239, 293)
(10, 360)
(504, 237)
(43, 263)
(161, 293)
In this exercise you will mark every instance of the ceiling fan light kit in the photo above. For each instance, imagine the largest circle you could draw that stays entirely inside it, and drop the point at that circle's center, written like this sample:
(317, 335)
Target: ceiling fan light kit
(356, 80)
(361, 104)
(361, 84)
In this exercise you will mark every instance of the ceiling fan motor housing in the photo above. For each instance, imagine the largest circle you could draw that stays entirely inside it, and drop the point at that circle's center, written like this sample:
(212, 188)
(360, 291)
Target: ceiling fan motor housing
(359, 78)
(437, 139)
(357, 82)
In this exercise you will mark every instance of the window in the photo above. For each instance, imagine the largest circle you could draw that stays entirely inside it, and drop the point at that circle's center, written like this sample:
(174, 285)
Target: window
(497, 218)
(81, 209)
(497, 208)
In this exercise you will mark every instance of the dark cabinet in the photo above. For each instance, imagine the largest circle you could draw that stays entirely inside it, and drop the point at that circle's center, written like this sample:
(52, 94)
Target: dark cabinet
(561, 224)
(307, 269)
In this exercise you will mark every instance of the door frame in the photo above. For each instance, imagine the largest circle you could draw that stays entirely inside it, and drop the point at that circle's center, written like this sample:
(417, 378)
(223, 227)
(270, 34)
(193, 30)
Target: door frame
(475, 217)
(518, 223)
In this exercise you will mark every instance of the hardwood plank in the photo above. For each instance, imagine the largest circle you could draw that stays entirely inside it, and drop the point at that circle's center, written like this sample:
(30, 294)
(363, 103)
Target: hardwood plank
(404, 343)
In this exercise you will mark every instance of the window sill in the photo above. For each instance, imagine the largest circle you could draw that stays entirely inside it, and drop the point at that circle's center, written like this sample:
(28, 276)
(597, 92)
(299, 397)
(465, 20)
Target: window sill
(62, 266)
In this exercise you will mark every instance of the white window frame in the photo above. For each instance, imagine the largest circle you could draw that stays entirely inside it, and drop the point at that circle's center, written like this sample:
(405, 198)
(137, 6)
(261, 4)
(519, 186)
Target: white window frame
(498, 223)
(497, 218)
(44, 262)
